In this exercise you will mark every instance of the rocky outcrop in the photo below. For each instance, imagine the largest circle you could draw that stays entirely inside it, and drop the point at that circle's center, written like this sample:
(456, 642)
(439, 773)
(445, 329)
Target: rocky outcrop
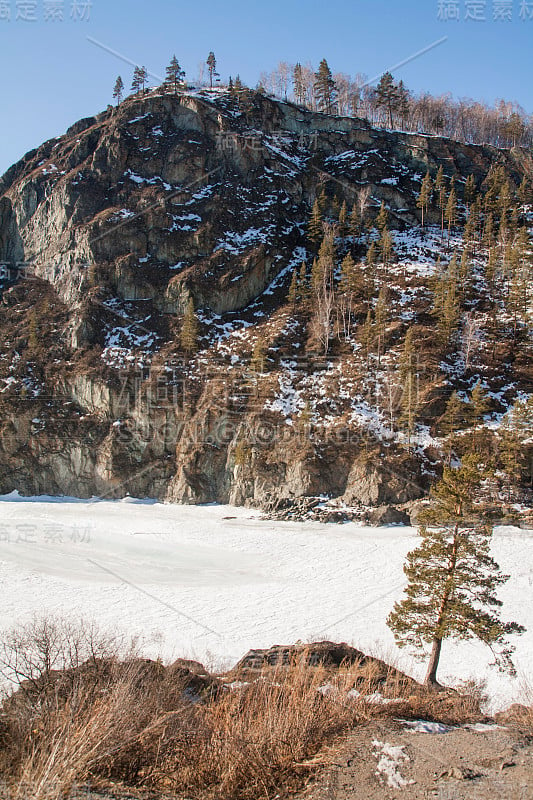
(370, 672)
(136, 211)
(159, 182)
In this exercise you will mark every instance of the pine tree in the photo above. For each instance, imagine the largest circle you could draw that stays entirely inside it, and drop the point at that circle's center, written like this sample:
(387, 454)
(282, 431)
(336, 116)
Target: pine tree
(175, 76)
(366, 334)
(520, 268)
(402, 102)
(452, 578)
(140, 77)
(118, 91)
(488, 231)
(246, 102)
(355, 225)
(442, 202)
(343, 213)
(470, 191)
(387, 95)
(465, 271)
(449, 321)
(189, 329)
(424, 198)
(451, 211)
(136, 82)
(327, 259)
(469, 232)
(211, 68)
(299, 84)
(382, 219)
(315, 229)
(371, 255)
(303, 283)
(325, 88)
(491, 268)
(509, 454)
(350, 282)
(451, 421)
(292, 296)
(408, 357)
(439, 181)
(371, 258)
(317, 278)
(238, 88)
(480, 403)
(515, 431)
(386, 244)
(524, 191)
(305, 419)
(479, 406)
(504, 199)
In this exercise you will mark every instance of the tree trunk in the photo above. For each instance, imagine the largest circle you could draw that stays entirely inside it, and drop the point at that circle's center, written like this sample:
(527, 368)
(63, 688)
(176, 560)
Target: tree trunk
(431, 675)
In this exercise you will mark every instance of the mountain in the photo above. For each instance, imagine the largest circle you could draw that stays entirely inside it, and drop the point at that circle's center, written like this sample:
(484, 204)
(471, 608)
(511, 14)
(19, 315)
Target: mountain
(153, 346)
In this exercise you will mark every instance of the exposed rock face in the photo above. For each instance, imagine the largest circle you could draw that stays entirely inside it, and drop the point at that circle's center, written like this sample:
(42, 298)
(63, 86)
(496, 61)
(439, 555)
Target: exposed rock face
(371, 671)
(123, 220)
(138, 190)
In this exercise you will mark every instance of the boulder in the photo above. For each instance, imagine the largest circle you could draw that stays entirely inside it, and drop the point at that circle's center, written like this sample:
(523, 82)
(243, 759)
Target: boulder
(388, 515)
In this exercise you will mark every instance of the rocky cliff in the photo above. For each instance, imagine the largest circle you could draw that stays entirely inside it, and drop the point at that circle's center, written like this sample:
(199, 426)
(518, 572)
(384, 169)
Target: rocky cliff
(108, 232)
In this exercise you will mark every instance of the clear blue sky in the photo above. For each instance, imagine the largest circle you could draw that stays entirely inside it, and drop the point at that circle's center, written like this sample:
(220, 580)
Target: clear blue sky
(52, 75)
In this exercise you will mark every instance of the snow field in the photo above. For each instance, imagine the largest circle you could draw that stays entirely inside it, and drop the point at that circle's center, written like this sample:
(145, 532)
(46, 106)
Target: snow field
(211, 582)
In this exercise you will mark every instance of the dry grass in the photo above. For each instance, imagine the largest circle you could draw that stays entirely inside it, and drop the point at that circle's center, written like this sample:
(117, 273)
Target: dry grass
(249, 741)
(135, 723)
(129, 727)
(523, 715)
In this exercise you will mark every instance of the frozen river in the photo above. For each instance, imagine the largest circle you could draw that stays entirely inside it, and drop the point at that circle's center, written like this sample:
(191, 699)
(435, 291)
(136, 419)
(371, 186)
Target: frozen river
(210, 582)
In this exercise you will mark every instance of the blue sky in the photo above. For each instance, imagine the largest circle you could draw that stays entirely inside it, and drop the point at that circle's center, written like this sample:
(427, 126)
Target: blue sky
(52, 74)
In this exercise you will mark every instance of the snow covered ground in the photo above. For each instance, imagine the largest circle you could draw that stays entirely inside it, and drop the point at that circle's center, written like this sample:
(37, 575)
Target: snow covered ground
(210, 582)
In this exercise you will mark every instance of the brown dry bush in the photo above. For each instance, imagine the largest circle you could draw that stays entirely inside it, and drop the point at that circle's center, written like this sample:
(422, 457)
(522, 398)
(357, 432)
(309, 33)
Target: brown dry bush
(246, 741)
(134, 723)
(137, 723)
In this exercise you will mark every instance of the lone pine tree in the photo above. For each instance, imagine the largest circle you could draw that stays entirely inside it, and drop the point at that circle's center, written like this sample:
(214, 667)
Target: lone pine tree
(452, 578)
(211, 67)
(387, 96)
(175, 76)
(325, 88)
(118, 90)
